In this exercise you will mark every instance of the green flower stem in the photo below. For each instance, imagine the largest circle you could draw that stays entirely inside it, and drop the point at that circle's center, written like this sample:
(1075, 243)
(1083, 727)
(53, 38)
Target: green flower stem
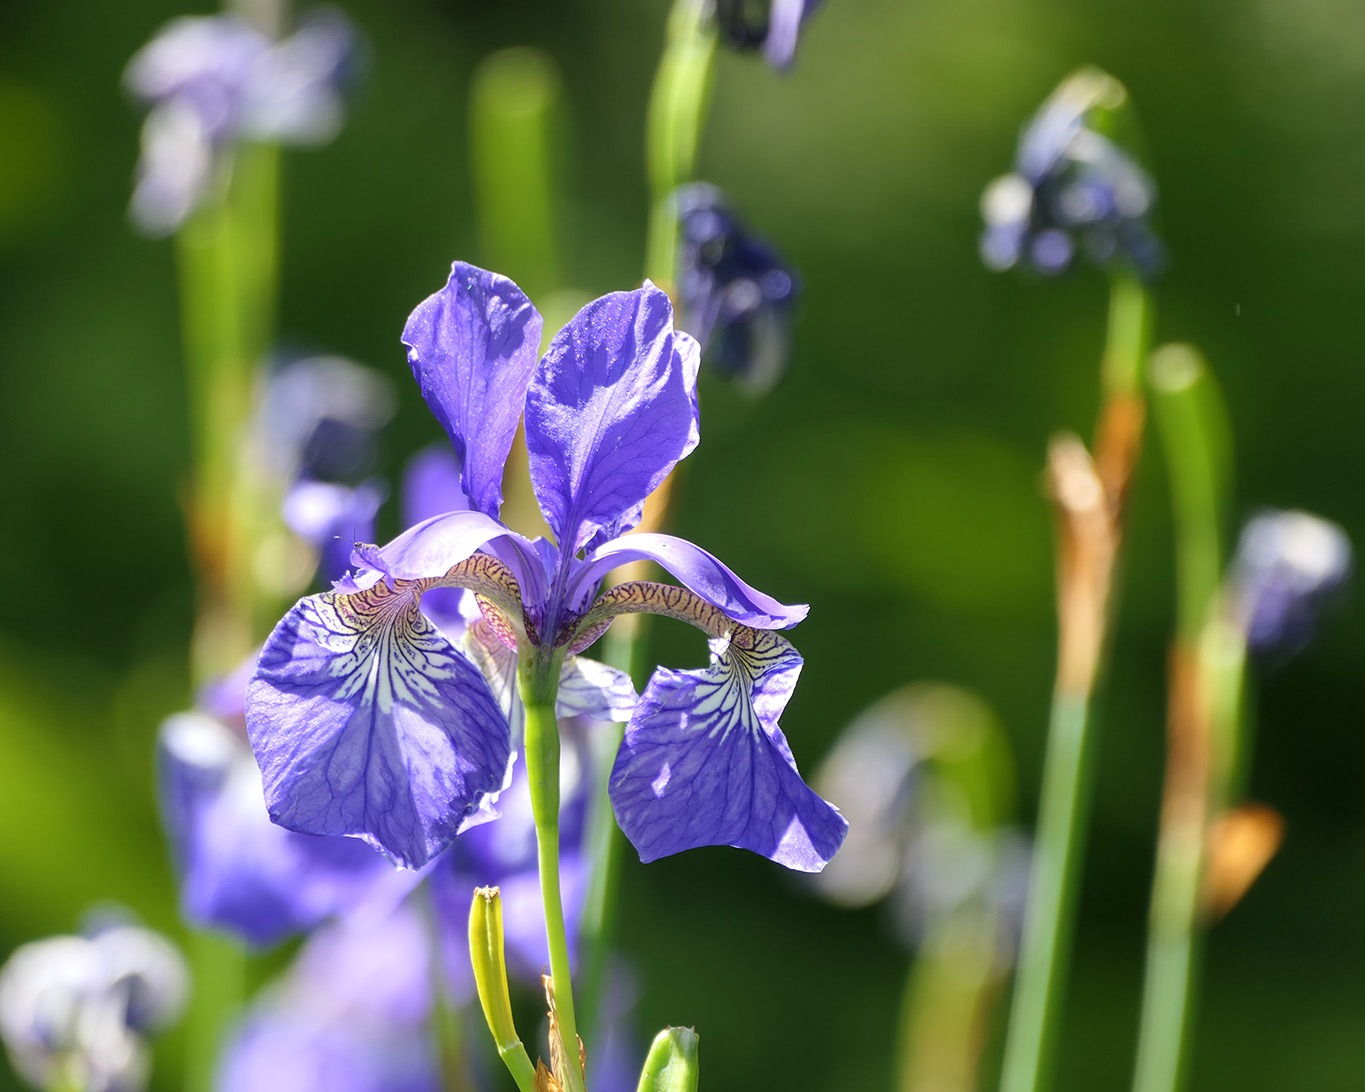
(1045, 950)
(538, 683)
(1129, 336)
(1205, 700)
(218, 971)
(677, 111)
(513, 111)
(1091, 508)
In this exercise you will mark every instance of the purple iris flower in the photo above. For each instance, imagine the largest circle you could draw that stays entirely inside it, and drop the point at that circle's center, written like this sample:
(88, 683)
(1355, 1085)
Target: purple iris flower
(1073, 188)
(773, 26)
(737, 295)
(367, 721)
(214, 80)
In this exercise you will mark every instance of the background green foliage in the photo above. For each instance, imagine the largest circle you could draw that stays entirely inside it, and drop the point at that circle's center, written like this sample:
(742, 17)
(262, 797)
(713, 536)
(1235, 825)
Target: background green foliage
(893, 481)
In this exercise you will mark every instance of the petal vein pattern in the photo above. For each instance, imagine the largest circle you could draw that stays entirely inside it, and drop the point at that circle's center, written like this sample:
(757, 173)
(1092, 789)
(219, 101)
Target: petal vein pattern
(366, 721)
(705, 763)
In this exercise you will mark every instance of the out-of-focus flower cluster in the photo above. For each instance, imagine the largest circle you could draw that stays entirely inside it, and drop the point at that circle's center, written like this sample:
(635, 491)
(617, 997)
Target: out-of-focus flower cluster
(1074, 189)
(212, 81)
(75, 1010)
(737, 297)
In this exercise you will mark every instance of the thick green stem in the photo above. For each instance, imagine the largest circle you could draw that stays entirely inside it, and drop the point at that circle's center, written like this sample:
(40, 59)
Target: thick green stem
(538, 682)
(677, 112)
(1129, 335)
(1204, 712)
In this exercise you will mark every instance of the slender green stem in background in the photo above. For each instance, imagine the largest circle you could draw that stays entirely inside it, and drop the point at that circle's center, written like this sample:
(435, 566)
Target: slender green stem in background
(1091, 507)
(677, 111)
(1205, 690)
(218, 971)
(1129, 335)
(1045, 948)
(538, 682)
(512, 107)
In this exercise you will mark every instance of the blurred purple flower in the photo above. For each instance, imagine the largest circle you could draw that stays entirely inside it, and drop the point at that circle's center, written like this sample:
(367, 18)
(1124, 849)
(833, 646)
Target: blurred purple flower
(1288, 567)
(353, 1014)
(1074, 187)
(74, 1009)
(238, 871)
(212, 81)
(367, 721)
(736, 295)
(771, 25)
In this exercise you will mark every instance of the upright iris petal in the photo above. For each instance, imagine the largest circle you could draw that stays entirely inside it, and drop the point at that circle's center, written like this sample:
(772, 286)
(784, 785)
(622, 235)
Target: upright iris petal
(608, 415)
(472, 347)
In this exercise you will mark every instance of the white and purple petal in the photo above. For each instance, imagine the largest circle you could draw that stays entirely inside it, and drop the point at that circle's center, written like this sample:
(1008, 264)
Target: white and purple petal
(701, 572)
(609, 412)
(472, 347)
(705, 763)
(366, 721)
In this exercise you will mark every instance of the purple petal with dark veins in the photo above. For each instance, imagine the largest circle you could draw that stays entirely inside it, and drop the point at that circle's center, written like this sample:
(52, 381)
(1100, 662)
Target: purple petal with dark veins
(366, 721)
(608, 414)
(699, 571)
(705, 763)
(472, 347)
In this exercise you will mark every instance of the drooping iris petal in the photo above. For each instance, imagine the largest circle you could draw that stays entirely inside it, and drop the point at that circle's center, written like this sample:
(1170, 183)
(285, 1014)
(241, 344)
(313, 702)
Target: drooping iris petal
(705, 763)
(366, 721)
(472, 347)
(238, 870)
(700, 571)
(784, 28)
(608, 414)
(428, 550)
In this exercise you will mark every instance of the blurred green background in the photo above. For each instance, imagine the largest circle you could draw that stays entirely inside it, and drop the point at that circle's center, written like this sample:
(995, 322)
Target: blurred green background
(892, 481)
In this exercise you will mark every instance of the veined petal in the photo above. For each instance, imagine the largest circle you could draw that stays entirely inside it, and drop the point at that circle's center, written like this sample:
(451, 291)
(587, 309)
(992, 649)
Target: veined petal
(705, 763)
(700, 571)
(472, 347)
(608, 414)
(366, 721)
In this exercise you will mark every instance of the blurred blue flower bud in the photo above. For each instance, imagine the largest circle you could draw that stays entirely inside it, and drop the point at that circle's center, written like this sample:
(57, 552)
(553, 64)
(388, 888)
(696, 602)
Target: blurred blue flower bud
(73, 1009)
(1074, 188)
(736, 295)
(773, 26)
(214, 80)
(1288, 567)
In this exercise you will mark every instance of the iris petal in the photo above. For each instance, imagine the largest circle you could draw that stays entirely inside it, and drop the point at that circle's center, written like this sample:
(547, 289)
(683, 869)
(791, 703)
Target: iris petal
(609, 413)
(472, 347)
(366, 721)
(705, 763)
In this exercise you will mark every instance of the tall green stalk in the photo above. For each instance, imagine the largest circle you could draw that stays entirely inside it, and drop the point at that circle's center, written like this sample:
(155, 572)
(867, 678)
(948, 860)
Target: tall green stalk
(538, 683)
(1090, 507)
(1204, 711)
(677, 112)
